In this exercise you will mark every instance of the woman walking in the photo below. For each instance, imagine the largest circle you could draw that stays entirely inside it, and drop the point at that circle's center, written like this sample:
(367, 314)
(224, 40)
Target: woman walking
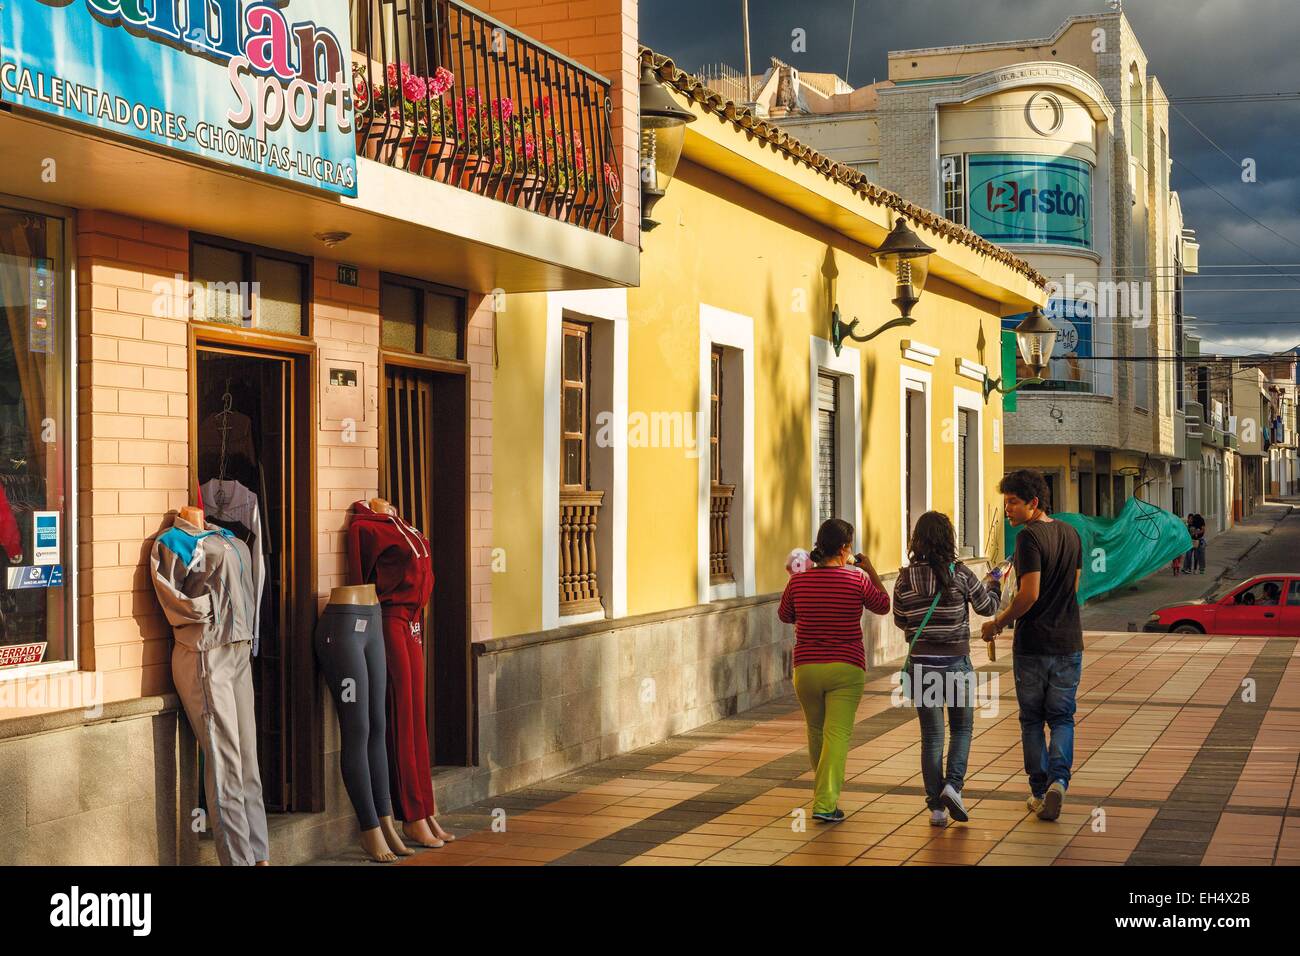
(824, 603)
(932, 597)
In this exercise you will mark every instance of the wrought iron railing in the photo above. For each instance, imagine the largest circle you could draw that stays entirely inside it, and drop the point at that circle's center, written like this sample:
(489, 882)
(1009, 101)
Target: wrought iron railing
(447, 92)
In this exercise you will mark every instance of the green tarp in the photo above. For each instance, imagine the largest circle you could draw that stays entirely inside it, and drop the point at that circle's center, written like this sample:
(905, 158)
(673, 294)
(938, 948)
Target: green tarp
(1117, 551)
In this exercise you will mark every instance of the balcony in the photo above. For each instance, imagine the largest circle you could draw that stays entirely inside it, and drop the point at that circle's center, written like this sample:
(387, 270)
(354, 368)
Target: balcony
(447, 93)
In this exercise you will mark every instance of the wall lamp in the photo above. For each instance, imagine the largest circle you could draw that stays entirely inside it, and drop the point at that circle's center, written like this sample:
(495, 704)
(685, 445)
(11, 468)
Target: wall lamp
(904, 254)
(663, 133)
(1035, 340)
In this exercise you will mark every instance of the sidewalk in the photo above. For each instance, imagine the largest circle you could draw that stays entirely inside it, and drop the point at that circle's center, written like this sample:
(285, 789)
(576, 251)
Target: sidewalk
(1171, 767)
(1129, 607)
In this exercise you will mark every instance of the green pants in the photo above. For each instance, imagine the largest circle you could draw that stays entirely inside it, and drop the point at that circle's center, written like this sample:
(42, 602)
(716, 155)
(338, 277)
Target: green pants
(829, 695)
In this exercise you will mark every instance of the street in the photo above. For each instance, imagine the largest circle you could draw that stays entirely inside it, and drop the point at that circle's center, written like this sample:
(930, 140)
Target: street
(1268, 541)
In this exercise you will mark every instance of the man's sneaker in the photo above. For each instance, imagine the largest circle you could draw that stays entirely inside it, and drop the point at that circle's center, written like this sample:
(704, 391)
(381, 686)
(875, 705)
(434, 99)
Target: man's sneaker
(951, 798)
(1034, 803)
(835, 816)
(938, 818)
(1052, 801)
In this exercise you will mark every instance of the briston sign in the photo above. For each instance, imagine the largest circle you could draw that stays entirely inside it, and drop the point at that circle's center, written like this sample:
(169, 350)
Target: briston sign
(250, 83)
(1017, 197)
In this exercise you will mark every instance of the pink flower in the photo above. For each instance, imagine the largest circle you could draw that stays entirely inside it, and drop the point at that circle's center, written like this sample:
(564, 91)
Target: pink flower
(392, 72)
(443, 80)
(611, 176)
(503, 108)
(530, 147)
(415, 88)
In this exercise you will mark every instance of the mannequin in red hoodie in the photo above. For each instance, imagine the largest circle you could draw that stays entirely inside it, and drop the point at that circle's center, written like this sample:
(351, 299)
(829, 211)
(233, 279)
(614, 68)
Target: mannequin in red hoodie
(385, 551)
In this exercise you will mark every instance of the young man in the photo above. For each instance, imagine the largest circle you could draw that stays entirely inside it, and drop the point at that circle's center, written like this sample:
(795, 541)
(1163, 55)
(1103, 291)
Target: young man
(1048, 648)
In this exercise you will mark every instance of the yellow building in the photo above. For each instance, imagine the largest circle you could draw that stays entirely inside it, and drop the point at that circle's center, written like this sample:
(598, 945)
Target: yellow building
(670, 444)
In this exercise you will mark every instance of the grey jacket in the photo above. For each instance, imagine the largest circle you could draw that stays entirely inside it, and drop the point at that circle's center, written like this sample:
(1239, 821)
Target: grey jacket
(204, 582)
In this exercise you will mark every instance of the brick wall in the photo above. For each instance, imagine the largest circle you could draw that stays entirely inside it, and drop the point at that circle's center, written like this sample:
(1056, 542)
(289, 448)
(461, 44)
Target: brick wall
(133, 440)
(602, 35)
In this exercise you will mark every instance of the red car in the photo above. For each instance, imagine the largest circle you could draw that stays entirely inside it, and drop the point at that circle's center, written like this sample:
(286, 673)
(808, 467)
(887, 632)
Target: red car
(1266, 604)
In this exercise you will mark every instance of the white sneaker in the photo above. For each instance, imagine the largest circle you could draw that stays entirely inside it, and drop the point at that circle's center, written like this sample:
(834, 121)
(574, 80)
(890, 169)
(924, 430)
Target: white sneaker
(951, 798)
(1034, 803)
(938, 818)
(1052, 801)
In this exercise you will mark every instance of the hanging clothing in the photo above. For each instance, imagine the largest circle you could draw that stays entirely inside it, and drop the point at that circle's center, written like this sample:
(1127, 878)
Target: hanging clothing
(385, 551)
(231, 501)
(203, 580)
(10, 539)
(241, 450)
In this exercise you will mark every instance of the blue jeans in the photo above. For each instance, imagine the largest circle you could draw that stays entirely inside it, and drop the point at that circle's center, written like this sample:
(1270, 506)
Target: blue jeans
(959, 697)
(1045, 689)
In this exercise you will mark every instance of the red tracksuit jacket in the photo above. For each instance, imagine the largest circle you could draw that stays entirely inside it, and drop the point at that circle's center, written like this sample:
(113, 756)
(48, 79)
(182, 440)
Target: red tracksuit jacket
(385, 551)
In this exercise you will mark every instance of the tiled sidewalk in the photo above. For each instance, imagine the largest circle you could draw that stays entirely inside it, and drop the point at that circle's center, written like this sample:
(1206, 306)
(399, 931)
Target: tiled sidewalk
(1172, 766)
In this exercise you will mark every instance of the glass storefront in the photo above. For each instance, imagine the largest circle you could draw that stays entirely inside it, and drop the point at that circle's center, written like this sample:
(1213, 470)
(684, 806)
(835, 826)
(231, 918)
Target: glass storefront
(35, 496)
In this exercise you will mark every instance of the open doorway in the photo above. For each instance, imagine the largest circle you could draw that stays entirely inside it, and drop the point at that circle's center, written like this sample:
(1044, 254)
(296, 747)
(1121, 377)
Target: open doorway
(426, 478)
(251, 457)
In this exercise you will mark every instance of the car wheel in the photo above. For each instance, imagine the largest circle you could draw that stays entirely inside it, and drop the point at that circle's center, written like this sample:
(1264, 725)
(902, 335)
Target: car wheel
(1186, 627)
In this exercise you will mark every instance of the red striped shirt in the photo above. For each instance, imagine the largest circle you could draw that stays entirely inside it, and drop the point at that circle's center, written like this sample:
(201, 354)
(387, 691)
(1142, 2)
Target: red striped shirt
(825, 606)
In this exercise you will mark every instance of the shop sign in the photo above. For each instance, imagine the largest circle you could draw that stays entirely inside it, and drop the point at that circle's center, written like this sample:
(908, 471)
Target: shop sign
(1021, 198)
(262, 86)
(16, 655)
(45, 532)
(35, 576)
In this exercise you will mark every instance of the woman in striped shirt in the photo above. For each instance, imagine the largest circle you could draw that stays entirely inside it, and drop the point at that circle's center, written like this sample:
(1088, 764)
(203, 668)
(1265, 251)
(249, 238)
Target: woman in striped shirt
(824, 603)
(941, 672)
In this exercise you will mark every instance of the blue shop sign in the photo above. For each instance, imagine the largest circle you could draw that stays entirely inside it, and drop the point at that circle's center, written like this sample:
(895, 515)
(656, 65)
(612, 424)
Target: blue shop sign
(259, 85)
(1022, 198)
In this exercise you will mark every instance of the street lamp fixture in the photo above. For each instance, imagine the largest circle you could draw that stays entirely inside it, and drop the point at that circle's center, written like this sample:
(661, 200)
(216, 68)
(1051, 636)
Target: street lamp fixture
(663, 131)
(908, 258)
(1035, 340)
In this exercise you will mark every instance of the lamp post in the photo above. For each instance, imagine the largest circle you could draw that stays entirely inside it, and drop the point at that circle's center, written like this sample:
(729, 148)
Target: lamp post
(908, 258)
(1035, 340)
(663, 131)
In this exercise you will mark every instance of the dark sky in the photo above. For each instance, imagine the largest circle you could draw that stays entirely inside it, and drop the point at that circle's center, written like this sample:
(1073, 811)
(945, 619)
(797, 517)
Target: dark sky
(1196, 48)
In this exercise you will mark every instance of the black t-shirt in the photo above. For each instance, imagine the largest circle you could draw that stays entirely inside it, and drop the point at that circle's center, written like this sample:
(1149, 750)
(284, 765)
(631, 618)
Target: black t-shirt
(1051, 626)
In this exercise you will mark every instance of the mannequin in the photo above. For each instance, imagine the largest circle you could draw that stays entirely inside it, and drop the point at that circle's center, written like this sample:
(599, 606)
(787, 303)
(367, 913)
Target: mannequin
(386, 551)
(350, 648)
(202, 576)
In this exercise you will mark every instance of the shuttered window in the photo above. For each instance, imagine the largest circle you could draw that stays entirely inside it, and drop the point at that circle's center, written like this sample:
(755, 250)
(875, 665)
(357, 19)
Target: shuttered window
(715, 412)
(827, 450)
(573, 395)
(965, 472)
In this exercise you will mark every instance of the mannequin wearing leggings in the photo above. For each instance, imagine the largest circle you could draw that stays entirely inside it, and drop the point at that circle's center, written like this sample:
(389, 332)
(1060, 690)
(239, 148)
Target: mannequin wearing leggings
(350, 648)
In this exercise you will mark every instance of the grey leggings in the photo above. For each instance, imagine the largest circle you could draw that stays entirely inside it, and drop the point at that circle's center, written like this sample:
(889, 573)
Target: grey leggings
(350, 649)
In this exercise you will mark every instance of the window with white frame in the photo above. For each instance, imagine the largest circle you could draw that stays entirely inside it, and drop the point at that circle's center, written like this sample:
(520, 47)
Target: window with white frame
(915, 450)
(952, 181)
(968, 507)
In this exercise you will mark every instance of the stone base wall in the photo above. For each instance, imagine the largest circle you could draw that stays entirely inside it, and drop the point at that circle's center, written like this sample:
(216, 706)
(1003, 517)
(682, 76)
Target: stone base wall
(76, 790)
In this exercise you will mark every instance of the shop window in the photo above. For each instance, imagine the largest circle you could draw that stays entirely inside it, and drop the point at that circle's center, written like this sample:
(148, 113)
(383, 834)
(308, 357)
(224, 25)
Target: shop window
(423, 318)
(35, 492)
(249, 287)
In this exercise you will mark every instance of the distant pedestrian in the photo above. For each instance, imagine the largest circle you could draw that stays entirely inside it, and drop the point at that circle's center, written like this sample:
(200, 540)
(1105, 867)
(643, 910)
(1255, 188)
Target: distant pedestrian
(932, 597)
(1048, 648)
(824, 603)
(1199, 542)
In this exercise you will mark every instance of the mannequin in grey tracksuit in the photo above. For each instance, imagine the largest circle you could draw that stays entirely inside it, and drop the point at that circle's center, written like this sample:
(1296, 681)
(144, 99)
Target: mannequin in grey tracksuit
(203, 579)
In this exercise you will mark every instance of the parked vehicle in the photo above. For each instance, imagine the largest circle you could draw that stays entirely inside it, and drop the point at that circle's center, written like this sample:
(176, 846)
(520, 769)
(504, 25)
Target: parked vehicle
(1266, 604)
